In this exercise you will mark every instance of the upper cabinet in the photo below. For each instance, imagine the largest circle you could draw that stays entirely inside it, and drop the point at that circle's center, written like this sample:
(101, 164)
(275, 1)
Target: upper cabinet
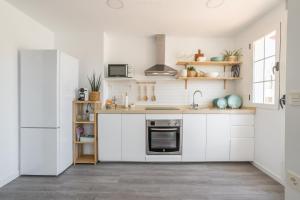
(194, 137)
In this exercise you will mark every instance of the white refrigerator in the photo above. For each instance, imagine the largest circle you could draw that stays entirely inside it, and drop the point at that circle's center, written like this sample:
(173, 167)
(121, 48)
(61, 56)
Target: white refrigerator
(48, 85)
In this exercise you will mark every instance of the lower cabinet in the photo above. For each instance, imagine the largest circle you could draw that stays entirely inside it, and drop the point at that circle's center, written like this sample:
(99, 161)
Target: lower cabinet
(242, 137)
(110, 137)
(218, 137)
(206, 137)
(133, 137)
(122, 137)
(242, 149)
(194, 137)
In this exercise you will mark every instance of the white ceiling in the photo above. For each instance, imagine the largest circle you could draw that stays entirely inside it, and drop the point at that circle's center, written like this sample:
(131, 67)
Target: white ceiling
(181, 17)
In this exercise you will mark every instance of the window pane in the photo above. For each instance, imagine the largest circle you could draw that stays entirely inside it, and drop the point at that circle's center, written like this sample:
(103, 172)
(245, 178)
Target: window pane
(269, 92)
(259, 49)
(258, 92)
(269, 64)
(270, 44)
(258, 74)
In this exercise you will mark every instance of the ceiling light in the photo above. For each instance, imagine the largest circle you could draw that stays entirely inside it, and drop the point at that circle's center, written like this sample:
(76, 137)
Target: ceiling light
(115, 4)
(214, 3)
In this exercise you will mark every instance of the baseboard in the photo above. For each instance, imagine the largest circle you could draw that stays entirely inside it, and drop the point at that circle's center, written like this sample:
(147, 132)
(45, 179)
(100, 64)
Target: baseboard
(9, 178)
(268, 172)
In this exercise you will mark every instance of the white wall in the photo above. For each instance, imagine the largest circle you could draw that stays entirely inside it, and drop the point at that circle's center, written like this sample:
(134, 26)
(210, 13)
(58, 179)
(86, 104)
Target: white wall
(269, 123)
(87, 47)
(18, 31)
(139, 52)
(293, 85)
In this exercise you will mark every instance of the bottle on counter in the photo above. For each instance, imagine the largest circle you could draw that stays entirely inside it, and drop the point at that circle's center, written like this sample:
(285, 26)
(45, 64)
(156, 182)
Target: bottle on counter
(126, 100)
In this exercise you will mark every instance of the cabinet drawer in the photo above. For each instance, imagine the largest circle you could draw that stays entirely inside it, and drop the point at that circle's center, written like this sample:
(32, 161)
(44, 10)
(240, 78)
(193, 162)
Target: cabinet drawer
(242, 132)
(242, 150)
(240, 120)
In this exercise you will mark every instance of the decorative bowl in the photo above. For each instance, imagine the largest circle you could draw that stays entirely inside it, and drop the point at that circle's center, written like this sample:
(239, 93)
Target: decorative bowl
(234, 101)
(217, 58)
(222, 103)
(212, 74)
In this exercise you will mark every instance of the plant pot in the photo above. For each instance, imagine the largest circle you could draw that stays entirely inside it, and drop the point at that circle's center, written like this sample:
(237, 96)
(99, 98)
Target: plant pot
(232, 58)
(94, 96)
(191, 73)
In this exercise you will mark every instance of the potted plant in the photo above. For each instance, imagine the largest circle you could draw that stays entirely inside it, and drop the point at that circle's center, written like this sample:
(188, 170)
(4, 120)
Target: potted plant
(191, 71)
(95, 83)
(233, 55)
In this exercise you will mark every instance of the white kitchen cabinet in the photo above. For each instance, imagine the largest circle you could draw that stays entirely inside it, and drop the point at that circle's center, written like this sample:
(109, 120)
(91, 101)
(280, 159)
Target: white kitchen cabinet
(242, 149)
(242, 137)
(242, 131)
(241, 119)
(194, 137)
(110, 137)
(218, 137)
(133, 137)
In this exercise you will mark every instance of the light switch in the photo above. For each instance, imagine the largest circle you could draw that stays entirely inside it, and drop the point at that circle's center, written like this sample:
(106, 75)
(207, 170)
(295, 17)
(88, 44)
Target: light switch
(294, 180)
(293, 99)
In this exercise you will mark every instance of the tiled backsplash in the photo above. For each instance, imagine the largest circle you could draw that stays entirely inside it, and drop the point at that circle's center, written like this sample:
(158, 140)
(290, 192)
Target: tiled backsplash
(170, 92)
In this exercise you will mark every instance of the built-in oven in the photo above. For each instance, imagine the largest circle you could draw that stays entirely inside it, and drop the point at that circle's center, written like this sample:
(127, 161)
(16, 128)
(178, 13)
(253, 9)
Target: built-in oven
(164, 137)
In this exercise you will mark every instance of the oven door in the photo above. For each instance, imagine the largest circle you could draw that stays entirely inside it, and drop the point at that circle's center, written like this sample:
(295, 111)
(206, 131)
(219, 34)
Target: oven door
(163, 140)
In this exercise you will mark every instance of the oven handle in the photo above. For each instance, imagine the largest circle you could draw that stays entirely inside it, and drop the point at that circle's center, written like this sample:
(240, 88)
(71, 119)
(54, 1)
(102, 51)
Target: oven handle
(164, 129)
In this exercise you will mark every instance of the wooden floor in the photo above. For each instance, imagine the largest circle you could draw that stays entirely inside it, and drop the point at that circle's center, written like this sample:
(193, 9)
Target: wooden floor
(115, 181)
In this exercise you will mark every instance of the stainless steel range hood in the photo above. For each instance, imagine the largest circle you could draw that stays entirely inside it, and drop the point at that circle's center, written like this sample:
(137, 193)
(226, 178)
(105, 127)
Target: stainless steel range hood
(160, 69)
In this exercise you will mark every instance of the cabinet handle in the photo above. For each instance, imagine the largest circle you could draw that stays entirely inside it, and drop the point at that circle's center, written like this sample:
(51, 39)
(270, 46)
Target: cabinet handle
(164, 129)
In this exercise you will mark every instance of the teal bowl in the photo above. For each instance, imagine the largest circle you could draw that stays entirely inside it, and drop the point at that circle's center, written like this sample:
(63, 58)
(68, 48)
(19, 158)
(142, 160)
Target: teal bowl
(215, 102)
(234, 101)
(222, 103)
(217, 58)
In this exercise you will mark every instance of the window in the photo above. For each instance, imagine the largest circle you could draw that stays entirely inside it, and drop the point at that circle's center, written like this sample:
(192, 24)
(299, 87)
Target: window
(264, 79)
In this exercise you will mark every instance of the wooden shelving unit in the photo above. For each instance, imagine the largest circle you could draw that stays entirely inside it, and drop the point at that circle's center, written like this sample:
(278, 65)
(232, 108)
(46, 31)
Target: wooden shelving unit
(223, 64)
(79, 108)
(209, 78)
(208, 63)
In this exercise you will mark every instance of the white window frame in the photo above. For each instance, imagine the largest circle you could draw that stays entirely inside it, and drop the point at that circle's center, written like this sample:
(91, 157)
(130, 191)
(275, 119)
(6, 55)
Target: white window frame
(276, 74)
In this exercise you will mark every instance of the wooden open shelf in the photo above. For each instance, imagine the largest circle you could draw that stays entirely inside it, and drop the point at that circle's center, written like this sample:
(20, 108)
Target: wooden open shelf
(208, 63)
(86, 102)
(209, 78)
(84, 122)
(78, 142)
(78, 154)
(223, 64)
(85, 159)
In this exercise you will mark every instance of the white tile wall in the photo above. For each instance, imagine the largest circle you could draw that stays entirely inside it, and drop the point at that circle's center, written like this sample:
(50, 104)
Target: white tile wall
(170, 92)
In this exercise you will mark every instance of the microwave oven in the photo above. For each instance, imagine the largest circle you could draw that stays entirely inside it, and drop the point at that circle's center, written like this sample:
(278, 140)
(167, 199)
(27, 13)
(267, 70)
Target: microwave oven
(119, 70)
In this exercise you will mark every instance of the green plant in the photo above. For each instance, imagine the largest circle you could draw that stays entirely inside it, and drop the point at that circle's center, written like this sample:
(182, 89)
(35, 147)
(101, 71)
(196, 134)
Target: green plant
(95, 82)
(235, 52)
(191, 68)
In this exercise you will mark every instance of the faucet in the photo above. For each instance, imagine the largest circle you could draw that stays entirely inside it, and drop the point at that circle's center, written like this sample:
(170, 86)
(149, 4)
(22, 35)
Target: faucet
(195, 106)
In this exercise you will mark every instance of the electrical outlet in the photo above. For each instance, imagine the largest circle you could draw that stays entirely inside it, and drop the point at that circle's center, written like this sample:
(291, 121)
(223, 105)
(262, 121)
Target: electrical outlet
(294, 180)
(293, 99)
